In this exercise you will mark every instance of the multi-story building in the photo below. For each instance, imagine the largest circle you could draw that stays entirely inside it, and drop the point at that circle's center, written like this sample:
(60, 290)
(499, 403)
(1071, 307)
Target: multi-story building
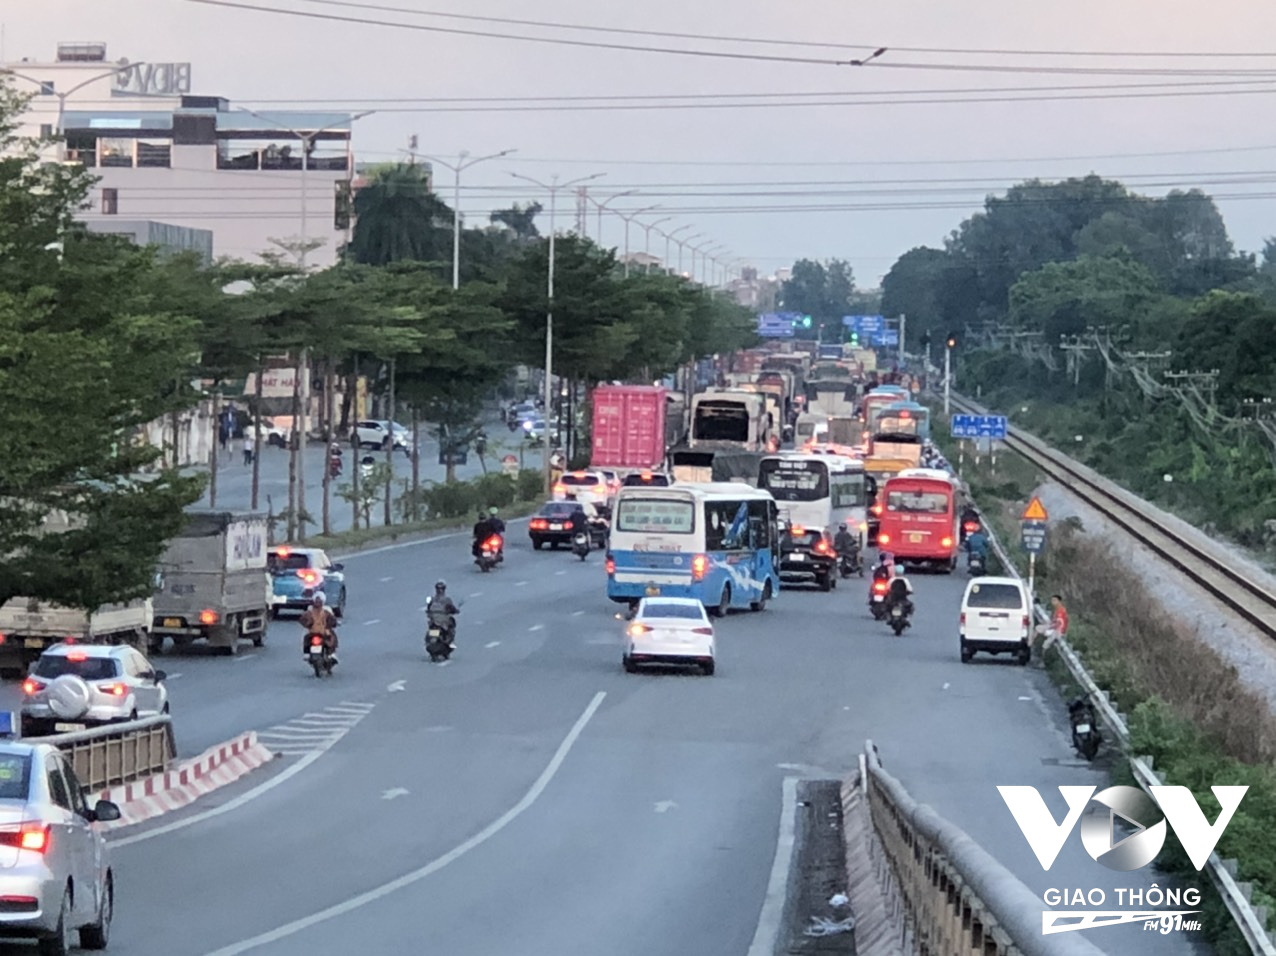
(262, 182)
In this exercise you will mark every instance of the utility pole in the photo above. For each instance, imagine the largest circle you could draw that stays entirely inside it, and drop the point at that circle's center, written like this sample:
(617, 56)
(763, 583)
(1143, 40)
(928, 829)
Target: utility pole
(1202, 381)
(1074, 348)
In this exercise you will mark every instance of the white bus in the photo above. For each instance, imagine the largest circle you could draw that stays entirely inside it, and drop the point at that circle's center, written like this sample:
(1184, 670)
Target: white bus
(818, 491)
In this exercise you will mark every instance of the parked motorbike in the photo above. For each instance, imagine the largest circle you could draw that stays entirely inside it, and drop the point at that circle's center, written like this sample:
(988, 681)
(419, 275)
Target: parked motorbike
(490, 554)
(319, 655)
(1085, 729)
(877, 599)
(849, 564)
(899, 618)
(976, 565)
(581, 545)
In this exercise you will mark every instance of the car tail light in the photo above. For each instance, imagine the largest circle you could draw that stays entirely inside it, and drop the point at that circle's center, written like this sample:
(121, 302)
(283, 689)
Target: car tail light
(963, 618)
(208, 616)
(699, 565)
(539, 524)
(2, 638)
(797, 529)
(876, 509)
(1027, 621)
(945, 542)
(115, 690)
(707, 631)
(32, 835)
(637, 630)
(822, 547)
(611, 564)
(283, 552)
(307, 575)
(493, 543)
(883, 538)
(32, 686)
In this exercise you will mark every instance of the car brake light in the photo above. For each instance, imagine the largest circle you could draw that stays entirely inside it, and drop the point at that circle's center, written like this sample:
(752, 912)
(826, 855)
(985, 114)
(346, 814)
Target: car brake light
(797, 529)
(31, 686)
(115, 690)
(308, 575)
(560, 489)
(963, 618)
(876, 509)
(208, 616)
(2, 638)
(32, 835)
(611, 565)
(883, 538)
(539, 524)
(699, 565)
(822, 547)
(945, 542)
(77, 656)
(637, 630)
(283, 552)
(703, 630)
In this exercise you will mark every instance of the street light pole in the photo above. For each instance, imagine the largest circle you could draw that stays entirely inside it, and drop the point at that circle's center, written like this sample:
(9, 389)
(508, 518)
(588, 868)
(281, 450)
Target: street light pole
(628, 219)
(62, 97)
(646, 247)
(604, 204)
(669, 239)
(553, 187)
(457, 168)
(681, 244)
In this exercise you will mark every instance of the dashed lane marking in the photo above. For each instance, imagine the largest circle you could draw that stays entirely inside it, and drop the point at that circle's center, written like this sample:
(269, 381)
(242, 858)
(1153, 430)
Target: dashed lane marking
(384, 580)
(520, 584)
(375, 620)
(537, 627)
(577, 613)
(314, 732)
(490, 644)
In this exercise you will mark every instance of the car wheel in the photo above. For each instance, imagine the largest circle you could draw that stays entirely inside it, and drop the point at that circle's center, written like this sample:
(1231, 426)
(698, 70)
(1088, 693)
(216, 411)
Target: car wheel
(339, 612)
(724, 603)
(966, 653)
(98, 934)
(537, 544)
(164, 709)
(825, 581)
(60, 943)
(708, 668)
(760, 604)
(629, 665)
(1023, 656)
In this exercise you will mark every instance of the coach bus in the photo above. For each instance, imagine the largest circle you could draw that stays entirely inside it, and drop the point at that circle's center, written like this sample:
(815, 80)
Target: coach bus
(817, 491)
(918, 522)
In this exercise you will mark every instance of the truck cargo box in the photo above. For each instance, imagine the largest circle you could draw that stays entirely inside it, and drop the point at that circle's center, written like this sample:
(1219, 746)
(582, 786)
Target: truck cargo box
(628, 426)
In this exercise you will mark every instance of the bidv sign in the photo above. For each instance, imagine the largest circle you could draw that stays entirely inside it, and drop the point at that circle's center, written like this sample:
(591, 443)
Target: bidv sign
(154, 79)
(1173, 805)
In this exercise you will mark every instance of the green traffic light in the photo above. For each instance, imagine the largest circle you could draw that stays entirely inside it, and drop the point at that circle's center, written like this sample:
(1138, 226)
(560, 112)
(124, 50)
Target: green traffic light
(806, 321)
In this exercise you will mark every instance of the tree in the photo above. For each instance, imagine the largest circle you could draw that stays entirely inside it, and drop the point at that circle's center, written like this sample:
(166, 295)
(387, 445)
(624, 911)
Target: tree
(97, 339)
(398, 218)
(822, 290)
(1062, 298)
(1236, 334)
(520, 220)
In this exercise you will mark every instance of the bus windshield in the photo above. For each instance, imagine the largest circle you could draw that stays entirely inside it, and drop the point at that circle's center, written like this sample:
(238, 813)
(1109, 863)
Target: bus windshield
(918, 502)
(655, 516)
(794, 480)
(722, 421)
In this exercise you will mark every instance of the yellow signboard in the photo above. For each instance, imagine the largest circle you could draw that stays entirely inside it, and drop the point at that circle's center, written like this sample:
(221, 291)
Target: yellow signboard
(1035, 511)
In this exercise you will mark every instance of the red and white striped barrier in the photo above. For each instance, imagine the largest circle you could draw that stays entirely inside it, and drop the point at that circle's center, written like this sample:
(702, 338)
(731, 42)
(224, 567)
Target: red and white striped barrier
(165, 792)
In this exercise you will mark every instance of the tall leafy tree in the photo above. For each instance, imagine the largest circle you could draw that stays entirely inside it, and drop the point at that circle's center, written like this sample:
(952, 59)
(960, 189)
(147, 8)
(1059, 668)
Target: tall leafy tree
(398, 217)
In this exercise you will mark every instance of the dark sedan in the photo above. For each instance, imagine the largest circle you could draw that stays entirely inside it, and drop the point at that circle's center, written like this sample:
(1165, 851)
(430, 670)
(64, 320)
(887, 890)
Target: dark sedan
(553, 524)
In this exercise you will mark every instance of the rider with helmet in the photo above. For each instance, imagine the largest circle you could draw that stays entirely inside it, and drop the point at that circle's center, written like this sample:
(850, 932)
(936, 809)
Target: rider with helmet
(441, 610)
(847, 545)
(900, 591)
(318, 619)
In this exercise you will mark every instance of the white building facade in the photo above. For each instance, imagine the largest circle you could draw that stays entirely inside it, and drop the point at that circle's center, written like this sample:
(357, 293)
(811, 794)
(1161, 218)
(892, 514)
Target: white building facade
(263, 182)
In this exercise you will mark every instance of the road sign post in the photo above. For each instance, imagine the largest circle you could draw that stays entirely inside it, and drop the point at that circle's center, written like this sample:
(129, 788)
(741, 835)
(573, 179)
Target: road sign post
(1032, 531)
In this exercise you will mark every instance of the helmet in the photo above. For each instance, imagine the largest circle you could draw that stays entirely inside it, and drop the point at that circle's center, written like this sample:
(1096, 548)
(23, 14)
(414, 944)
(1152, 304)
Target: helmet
(492, 510)
(842, 526)
(318, 600)
(899, 570)
(440, 585)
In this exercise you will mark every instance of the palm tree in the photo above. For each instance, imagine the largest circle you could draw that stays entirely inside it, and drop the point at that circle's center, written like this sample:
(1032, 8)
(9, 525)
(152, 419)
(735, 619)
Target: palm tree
(397, 218)
(520, 220)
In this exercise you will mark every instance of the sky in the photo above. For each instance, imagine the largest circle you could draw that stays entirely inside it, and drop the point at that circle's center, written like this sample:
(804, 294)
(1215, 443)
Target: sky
(863, 176)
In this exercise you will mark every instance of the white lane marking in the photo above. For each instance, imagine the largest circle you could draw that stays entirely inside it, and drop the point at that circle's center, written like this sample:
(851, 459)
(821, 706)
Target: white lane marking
(664, 806)
(394, 792)
(493, 828)
(322, 730)
(764, 940)
(307, 758)
(397, 686)
(173, 677)
(537, 627)
(490, 644)
(1025, 698)
(948, 685)
(520, 584)
(577, 613)
(240, 658)
(375, 620)
(556, 573)
(477, 594)
(384, 580)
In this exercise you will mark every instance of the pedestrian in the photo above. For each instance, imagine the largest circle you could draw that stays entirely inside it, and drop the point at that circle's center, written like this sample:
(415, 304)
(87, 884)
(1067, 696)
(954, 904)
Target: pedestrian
(248, 449)
(1058, 626)
(223, 436)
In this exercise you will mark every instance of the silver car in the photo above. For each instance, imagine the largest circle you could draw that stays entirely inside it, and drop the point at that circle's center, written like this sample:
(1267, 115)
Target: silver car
(74, 686)
(55, 874)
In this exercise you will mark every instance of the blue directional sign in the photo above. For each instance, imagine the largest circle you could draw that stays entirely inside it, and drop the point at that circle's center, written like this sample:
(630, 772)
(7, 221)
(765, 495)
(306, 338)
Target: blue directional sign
(887, 337)
(776, 324)
(992, 426)
(965, 426)
(979, 426)
(864, 324)
(1033, 536)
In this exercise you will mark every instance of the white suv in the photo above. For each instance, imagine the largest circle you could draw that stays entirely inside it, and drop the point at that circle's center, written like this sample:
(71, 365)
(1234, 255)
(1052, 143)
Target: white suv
(377, 433)
(996, 617)
(74, 686)
(590, 486)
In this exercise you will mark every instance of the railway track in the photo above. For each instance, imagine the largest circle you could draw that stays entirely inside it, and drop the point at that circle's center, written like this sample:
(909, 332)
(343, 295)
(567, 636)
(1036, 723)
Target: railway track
(1212, 571)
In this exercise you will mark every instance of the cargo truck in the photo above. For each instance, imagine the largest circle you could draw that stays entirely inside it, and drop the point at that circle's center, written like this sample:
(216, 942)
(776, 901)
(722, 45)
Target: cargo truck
(214, 583)
(28, 626)
(629, 427)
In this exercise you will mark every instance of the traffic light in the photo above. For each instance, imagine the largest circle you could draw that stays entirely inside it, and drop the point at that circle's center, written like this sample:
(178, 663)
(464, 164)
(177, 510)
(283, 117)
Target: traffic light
(806, 321)
(924, 341)
(952, 340)
(855, 340)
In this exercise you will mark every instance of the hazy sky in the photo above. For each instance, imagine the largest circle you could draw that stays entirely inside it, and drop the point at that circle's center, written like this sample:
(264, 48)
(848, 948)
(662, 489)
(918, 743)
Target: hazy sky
(935, 160)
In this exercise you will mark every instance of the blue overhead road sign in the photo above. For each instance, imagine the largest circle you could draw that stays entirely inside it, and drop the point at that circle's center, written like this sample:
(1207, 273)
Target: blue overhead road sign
(992, 426)
(864, 324)
(776, 324)
(963, 426)
(979, 426)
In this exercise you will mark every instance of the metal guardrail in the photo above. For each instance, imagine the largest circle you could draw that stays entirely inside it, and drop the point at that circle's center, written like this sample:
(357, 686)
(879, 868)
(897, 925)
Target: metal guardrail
(958, 899)
(115, 754)
(1250, 920)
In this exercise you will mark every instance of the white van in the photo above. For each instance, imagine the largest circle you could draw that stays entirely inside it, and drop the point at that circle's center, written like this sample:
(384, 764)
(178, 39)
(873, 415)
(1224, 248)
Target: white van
(996, 617)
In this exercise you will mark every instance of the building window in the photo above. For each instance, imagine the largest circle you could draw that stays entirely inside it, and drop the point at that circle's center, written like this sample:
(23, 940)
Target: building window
(46, 88)
(110, 202)
(46, 131)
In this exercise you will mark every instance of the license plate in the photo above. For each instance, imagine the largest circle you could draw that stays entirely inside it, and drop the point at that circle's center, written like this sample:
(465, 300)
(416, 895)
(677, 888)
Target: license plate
(897, 612)
(1083, 728)
(798, 557)
(316, 649)
(69, 727)
(435, 632)
(172, 622)
(653, 592)
(33, 642)
(556, 527)
(915, 538)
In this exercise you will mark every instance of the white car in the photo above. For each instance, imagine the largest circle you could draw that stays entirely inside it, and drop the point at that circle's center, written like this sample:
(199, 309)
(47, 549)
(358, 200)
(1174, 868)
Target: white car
(74, 686)
(56, 881)
(271, 432)
(377, 433)
(590, 486)
(996, 617)
(669, 630)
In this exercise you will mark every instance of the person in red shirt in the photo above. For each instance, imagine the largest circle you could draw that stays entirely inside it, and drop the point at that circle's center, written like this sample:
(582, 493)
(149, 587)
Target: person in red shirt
(1058, 626)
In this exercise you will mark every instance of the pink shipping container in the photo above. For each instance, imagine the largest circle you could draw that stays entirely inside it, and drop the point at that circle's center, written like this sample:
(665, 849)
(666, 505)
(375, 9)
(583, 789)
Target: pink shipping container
(629, 426)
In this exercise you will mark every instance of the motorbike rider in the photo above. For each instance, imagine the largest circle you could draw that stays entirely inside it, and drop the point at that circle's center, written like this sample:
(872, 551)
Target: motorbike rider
(318, 619)
(885, 564)
(899, 592)
(442, 610)
(847, 544)
(977, 545)
(579, 522)
(497, 523)
(483, 529)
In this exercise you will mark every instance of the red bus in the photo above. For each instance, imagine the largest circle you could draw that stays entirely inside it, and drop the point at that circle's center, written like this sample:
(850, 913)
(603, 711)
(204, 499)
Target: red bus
(918, 520)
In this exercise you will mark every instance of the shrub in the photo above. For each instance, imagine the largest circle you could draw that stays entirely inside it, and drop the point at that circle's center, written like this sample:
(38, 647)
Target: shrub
(494, 490)
(531, 484)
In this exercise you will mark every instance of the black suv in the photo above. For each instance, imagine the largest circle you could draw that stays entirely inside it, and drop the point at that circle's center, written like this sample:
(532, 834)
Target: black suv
(807, 555)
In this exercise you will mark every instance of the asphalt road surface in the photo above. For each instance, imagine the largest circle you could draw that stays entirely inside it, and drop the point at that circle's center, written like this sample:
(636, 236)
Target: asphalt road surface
(529, 797)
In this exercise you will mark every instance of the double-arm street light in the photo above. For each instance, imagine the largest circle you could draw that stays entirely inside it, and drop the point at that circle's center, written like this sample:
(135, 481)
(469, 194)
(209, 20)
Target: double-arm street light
(646, 246)
(669, 239)
(686, 242)
(629, 219)
(462, 163)
(62, 97)
(553, 186)
(604, 204)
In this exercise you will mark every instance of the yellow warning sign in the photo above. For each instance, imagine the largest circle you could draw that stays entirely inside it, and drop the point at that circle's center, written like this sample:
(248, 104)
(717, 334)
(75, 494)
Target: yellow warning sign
(1035, 511)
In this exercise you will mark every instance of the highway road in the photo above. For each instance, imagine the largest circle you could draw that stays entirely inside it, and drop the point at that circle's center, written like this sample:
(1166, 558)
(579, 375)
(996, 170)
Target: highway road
(530, 797)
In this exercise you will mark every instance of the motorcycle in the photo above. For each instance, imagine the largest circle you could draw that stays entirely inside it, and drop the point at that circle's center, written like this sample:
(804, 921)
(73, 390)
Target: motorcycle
(969, 526)
(976, 565)
(898, 619)
(849, 564)
(877, 599)
(490, 554)
(440, 642)
(1085, 731)
(334, 466)
(581, 545)
(319, 655)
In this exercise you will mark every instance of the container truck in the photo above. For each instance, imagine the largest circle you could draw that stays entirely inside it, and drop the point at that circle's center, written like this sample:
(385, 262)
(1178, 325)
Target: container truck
(629, 426)
(215, 585)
